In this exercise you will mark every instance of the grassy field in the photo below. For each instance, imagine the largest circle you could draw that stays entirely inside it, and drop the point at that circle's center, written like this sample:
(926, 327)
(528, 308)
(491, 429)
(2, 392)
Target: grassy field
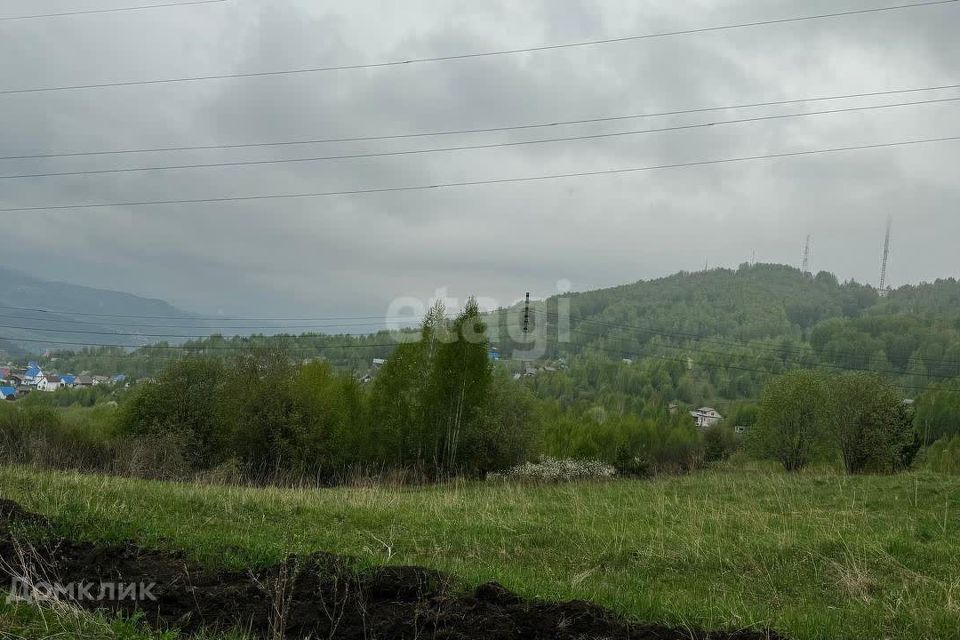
(812, 556)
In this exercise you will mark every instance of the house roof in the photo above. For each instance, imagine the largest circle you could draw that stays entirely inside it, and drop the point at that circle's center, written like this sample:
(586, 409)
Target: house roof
(6, 392)
(33, 371)
(68, 379)
(52, 377)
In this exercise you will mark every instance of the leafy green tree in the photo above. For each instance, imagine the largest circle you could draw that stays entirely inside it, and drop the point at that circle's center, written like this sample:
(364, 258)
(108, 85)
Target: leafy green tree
(256, 404)
(182, 401)
(330, 411)
(790, 424)
(872, 428)
(460, 385)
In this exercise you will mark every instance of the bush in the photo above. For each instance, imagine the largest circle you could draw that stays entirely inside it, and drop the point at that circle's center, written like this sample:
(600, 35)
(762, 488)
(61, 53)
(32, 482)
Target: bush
(636, 446)
(719, 443)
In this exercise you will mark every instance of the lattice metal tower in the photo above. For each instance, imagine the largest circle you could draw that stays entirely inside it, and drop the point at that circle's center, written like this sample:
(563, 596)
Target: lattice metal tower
(884, 288)
(805, 264)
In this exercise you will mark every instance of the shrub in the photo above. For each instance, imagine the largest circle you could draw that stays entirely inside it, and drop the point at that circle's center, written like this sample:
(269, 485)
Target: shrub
(719, 442)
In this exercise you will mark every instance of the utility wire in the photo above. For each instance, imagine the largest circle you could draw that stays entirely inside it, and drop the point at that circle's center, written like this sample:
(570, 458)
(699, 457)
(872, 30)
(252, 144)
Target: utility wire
(451, 132)
(474, 183)
(209, 326)
(825, 365)
(497, 145)
(776, 350)
(148, 335)
(722, 365)
(200, 348)
(193, 318)
(484, 54)
(117, 10)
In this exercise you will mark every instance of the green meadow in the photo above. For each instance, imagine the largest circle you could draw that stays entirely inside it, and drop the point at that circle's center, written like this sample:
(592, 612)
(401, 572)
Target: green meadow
(815, 555)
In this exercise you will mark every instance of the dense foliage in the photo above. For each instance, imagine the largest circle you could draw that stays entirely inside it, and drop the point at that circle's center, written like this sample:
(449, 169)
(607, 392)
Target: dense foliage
(856, 417)
(436, 408)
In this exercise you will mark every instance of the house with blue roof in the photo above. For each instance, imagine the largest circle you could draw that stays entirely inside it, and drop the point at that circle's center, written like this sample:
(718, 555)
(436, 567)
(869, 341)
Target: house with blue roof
(33, 374)
(68, 380)
(8, 393)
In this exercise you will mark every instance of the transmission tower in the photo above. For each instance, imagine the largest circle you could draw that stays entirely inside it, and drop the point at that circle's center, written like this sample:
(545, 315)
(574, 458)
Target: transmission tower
(805, 264)
(883, 263)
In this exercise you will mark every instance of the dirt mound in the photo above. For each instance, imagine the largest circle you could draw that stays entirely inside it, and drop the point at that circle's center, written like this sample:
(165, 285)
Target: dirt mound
(316, 596)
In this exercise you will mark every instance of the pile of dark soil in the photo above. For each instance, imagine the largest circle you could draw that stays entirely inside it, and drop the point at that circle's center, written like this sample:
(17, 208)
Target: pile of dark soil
(319, 596)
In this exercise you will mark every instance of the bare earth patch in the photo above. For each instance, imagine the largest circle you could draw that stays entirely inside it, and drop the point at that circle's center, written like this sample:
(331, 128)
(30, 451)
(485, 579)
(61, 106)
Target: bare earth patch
(318, 596)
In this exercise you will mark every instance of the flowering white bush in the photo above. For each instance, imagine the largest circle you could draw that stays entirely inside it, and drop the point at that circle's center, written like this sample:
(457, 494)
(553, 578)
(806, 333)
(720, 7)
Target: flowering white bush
(554, 470)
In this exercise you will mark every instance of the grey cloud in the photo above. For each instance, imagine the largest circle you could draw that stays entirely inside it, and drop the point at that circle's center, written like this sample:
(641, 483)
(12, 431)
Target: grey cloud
(352, 255)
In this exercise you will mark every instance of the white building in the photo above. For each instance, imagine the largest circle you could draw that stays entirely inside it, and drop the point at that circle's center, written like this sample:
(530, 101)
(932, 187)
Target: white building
(49, 382)
(706, 417)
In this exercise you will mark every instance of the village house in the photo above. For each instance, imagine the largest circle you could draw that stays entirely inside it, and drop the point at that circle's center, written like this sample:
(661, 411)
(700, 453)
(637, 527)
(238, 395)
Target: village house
(49, 382)
(33, 374)
(706, 417)
(8, 393)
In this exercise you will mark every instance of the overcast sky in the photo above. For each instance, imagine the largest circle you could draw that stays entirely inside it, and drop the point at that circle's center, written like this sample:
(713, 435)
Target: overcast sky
(354, 254)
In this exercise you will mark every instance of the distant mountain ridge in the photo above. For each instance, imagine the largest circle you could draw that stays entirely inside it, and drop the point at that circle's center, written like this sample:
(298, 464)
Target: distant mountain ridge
(37, 314)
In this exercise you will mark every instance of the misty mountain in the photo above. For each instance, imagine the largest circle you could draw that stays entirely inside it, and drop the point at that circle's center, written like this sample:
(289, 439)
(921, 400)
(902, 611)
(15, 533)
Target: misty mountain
(36, 315)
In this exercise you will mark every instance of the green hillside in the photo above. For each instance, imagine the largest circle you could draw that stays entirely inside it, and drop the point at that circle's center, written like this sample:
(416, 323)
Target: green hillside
(719, 335)
(707, 337)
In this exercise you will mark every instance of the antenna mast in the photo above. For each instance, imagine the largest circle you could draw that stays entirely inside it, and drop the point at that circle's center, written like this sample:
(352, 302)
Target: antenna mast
(883, 264)
(805, 264)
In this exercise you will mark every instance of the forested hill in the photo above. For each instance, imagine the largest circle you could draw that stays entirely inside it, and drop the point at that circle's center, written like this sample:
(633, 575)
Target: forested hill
(753, 302)
(721, 334)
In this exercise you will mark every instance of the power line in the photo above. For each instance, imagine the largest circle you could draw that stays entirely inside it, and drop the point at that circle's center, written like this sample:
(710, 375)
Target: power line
(723, 365)
(777, 350)
(382, 154)
(484, 54)
(451, 132)
(825, 365)
(117, 10)
(379, 321)
(196, 318)
(200, 348)
(145, 335)
(474, 183)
